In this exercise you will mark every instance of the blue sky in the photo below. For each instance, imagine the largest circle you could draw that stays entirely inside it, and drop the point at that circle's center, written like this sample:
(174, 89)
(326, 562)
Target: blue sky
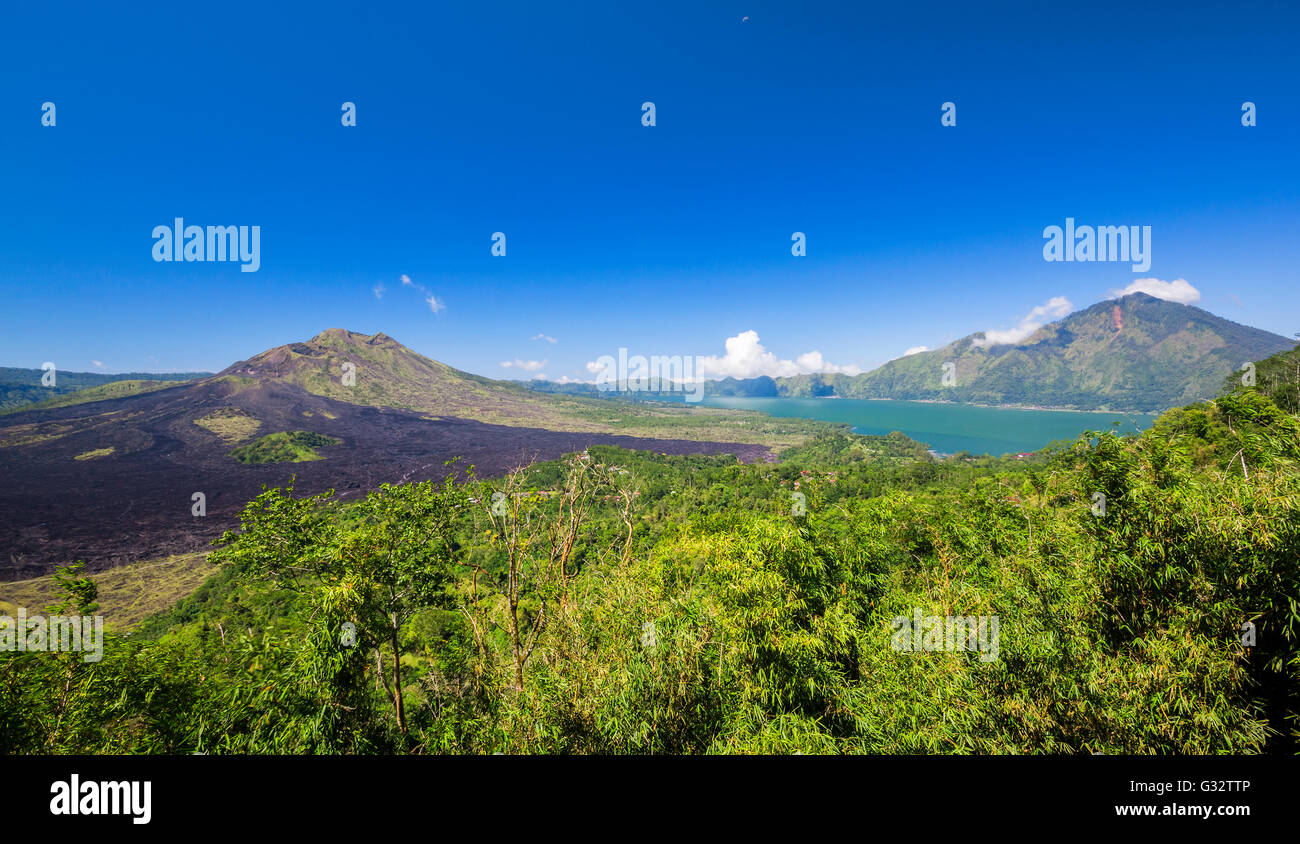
(525, 118)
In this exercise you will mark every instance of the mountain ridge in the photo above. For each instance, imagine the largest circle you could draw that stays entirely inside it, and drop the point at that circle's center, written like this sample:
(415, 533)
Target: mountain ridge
(22, 387)
(1134, 353)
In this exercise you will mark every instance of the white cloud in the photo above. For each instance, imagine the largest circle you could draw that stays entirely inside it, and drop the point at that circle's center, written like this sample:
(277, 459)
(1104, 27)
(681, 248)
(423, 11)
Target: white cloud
(406, 280)
(1178, 290)
(747, 358)
(916, 350)
(1054, 308)
(379, 290)
(435, 304)
(98, 364)
(526, 365)
(541, 336)
(814, 362)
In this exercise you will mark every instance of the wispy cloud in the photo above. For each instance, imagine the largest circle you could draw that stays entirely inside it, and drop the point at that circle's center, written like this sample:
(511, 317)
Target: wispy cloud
(379, 290)
(1054, 308)
(915, 350)
(98, 364)
(435, 304)
(540, 336)
(1178, 290)
(526, 365)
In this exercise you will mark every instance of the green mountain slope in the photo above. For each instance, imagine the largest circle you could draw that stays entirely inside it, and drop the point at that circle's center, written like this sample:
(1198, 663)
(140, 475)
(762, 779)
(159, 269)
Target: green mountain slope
(1137, 353)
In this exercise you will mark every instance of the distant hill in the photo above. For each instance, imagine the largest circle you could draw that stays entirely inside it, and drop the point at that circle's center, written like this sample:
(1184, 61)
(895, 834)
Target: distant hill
(21, 387)
(1136, 353)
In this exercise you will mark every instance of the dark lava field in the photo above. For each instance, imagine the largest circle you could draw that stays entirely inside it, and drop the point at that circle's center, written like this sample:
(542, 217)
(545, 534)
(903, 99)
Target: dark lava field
(135, 504)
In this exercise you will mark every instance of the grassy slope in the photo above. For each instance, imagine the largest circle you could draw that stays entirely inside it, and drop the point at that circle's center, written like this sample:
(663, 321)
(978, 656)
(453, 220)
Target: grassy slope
(284, 447)
(127, 595)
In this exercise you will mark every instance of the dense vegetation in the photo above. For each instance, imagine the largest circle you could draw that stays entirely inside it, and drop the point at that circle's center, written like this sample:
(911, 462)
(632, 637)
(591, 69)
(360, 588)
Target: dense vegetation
(283, 447)
(629, 602)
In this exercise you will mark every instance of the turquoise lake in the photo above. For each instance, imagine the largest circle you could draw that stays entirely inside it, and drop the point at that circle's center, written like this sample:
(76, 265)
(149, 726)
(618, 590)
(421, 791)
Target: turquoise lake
(947, 428)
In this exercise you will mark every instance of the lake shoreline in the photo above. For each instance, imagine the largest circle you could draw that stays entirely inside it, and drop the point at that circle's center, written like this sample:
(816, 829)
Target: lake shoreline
(946, 427)
(995, 406)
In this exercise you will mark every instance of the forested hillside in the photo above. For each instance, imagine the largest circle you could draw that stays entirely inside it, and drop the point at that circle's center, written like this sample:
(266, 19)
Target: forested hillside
(1135, 353)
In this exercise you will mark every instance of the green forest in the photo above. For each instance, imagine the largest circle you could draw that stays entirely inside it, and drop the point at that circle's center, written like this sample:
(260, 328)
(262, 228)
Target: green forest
(622, 602)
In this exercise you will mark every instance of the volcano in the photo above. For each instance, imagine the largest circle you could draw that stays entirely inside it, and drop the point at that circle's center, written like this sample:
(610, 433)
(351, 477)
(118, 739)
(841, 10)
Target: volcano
(113, 481)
